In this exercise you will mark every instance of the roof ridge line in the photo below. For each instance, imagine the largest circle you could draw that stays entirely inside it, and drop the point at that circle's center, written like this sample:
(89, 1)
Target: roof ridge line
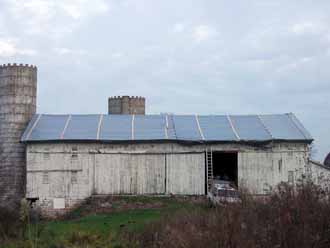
(166, 126)
(99, 127)
(174, 128)
(97, 114)
(199, 127)
(265, 127)
(65, 127)
(294, 123)
(132, 127)
(34, 125)
(232, 127)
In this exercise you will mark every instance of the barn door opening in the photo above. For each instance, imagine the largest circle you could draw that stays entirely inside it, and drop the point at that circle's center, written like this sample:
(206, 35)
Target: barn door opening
(225, 166)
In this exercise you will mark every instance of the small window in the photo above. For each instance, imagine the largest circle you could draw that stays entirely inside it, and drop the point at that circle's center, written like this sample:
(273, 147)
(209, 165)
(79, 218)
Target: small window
(45, 178)
(280, 162)
(74, 177)
(46, 154)
(74, 157)
(59, 203)
(290, 177)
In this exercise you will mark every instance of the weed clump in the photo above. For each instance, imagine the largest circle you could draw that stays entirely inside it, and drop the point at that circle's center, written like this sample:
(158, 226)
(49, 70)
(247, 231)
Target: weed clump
(9, 221)
(295, 217)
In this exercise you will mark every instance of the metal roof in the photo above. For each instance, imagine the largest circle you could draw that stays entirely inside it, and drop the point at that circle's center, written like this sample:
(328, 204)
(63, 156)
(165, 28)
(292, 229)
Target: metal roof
(193, 128)
(327, 160)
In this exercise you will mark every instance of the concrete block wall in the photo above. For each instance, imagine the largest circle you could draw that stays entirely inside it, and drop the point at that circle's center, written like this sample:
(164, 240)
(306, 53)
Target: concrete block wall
(126, 105)
(18, 88)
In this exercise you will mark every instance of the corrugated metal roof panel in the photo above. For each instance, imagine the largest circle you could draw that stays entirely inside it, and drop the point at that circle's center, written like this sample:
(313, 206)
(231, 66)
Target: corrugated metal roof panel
(249, 127)
(170, 127)
(81, 127)
(27, 132)
(186, 127)
(116, 127)
(282, 127)
(216, 128)
(47, 127)
(149, 127)
(307, 134)
(165, 127)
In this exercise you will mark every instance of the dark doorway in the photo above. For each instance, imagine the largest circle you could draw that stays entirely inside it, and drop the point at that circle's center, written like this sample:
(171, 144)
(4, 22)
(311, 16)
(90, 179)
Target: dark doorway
(225, 166)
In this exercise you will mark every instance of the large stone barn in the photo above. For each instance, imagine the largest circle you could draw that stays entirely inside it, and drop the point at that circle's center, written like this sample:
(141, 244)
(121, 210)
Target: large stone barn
(71, 157)
(60, 160)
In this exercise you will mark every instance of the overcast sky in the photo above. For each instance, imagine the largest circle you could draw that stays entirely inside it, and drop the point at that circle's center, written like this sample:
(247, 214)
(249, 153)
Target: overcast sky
(207, 57)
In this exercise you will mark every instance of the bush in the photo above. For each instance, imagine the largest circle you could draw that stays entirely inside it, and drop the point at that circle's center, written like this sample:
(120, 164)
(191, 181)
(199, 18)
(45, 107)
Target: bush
(20, 222)
(79, 239)
(9, 221)
(290, 217)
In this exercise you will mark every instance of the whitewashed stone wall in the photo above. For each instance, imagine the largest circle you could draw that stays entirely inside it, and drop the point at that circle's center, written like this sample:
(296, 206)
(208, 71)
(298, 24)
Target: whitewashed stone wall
(130, 174)
(71, 172)
(319, 173)
(261, 171)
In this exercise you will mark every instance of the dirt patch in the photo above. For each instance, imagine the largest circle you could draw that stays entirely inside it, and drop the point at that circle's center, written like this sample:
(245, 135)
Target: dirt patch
(111, 204)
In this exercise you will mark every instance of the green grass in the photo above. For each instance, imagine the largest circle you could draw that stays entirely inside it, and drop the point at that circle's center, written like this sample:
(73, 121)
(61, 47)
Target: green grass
(103, 224)
(114, 222)
(107, 227)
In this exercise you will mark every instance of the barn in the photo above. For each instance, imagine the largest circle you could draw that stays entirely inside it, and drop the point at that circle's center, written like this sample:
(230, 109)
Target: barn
(72, 157)
(58, 161)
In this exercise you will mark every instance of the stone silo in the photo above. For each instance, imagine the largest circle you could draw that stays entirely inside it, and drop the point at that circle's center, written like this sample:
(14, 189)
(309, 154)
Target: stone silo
(126, 105)
(18, 88)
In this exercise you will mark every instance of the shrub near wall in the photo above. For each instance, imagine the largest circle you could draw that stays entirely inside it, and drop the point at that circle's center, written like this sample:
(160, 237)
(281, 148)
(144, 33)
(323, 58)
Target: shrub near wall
(292, 219)
(10, 226)
(19, 224)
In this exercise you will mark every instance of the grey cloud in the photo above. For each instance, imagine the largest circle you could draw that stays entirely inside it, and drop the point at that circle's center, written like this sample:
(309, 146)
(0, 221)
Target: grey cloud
(250, 57)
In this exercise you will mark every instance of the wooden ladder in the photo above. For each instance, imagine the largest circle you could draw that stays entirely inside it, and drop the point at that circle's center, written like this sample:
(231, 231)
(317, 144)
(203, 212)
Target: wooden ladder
(209, 164)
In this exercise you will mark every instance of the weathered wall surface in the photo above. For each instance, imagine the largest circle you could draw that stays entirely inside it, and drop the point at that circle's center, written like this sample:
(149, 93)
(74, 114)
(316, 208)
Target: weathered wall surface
(72, 172)
(320, 174)
(18, 88)
(126, 105)
(261, 171)
(130, 174)
(185, 174)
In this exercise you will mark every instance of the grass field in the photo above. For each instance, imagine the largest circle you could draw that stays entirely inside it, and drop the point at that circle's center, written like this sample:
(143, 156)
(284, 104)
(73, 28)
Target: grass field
(102, 224)
(100, 227)
(295, 217)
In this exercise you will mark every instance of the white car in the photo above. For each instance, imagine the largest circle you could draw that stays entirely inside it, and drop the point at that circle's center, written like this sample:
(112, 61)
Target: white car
(223, 191)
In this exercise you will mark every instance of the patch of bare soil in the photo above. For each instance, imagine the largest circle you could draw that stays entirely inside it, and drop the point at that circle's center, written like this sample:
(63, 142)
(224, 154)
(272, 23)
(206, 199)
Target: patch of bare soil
(111, 204)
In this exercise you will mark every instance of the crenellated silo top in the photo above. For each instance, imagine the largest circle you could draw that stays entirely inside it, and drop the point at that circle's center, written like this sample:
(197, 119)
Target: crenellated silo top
(9, 65)
(18, 70)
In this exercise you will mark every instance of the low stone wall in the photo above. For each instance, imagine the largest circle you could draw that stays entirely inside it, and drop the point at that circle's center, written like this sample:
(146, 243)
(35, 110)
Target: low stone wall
(54, 208)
